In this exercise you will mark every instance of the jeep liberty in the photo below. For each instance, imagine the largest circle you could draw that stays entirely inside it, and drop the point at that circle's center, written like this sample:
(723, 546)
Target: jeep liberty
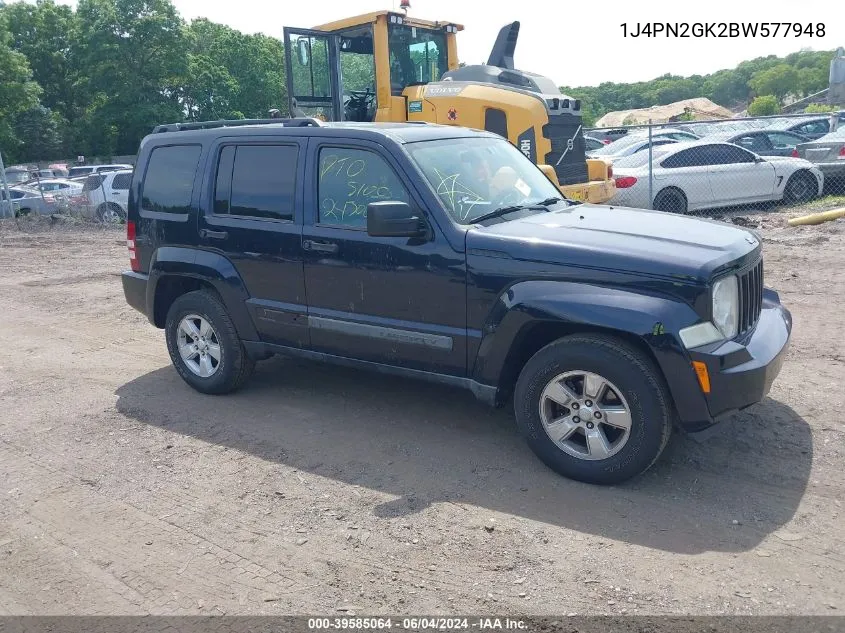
(443, 253)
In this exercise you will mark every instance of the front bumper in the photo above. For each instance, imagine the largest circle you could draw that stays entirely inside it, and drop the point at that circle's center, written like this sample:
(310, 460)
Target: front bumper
(742, 372)
(135, 290)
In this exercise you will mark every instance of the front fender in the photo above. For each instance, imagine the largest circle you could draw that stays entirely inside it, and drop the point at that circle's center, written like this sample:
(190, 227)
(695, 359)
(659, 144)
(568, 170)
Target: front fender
(211, 268)
(653, 319)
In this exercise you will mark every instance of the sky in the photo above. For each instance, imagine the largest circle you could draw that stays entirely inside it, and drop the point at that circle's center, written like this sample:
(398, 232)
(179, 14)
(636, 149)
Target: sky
(583, 48)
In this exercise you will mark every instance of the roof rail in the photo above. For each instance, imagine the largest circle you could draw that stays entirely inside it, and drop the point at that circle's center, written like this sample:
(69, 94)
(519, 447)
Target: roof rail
(207, 125)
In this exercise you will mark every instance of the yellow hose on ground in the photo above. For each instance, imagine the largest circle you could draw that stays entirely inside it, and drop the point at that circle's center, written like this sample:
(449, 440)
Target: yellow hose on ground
(817, 218)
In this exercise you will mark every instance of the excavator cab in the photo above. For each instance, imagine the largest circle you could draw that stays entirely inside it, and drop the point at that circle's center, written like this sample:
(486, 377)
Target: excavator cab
(357, 69)
(388, 66)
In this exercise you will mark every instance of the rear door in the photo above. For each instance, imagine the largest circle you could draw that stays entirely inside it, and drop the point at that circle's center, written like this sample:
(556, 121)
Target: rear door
(252, 215)
(312, 60)
(119, 190)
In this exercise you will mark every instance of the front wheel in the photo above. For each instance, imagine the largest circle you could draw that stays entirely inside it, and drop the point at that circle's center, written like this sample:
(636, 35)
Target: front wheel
(593, 408)
(801, 187)
(111, 214)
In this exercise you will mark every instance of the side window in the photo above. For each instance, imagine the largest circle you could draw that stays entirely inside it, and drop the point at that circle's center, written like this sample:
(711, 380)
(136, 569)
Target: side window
(496, 121)
(693, 157)
(257, 181)
(814, 127)
(728, 155)
(349, 180)
(92, 182)
(121, 181)
(169, 181)
(753, 142)
(781, 140)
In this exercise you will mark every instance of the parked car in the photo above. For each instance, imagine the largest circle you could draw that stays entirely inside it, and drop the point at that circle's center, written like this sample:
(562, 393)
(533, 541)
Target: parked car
(107, 195)
(811, 128)
(26, 201)
(610, 134)
(55, 185)
(87, 170)
(17, 175)
(631, 144)
(763, 142)
(828, 154)
(592, 143)
(696, 175)
(443, 253)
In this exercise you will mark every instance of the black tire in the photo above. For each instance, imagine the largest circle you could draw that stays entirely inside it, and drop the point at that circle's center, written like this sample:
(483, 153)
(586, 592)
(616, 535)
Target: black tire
(639, 382)
(117, 213)
(235, 365)
(670, 199)
(23, 213)
(800, 188)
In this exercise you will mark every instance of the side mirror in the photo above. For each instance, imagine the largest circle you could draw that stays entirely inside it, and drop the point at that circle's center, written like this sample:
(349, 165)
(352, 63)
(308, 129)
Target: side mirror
(388, 218)
(303, 50)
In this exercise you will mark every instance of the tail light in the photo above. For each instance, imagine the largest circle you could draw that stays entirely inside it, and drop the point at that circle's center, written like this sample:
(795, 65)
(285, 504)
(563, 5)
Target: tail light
(623, 182)
(130, 244)
(795, 153)
(841, 153)
(606, 141)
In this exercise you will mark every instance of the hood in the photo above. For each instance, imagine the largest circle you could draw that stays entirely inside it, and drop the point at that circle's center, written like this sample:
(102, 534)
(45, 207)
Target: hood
(620, 239)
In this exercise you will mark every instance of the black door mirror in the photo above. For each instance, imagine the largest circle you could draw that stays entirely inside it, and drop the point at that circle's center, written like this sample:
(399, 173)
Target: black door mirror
(390, 218)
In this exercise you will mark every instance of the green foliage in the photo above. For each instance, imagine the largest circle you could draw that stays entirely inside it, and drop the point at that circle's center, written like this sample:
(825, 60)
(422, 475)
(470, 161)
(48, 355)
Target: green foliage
(765, 105)
(18, 92)
(815, 108)
(800, 74)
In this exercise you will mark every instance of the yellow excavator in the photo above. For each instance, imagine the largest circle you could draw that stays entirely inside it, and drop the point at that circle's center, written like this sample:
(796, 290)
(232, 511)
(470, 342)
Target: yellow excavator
(388, 66)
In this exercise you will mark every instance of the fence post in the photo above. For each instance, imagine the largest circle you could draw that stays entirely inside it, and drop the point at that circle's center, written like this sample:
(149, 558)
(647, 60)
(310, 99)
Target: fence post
(5, 189)
(650, 170)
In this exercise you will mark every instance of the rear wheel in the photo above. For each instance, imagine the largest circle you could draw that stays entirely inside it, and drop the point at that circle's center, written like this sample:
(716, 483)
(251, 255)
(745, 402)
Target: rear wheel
(203, 344)
(800, 188)
(671, 200)
(111, 213)
(593, 408)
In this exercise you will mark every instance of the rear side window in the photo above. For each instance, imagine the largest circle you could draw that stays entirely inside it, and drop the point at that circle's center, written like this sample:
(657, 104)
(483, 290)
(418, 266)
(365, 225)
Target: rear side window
(694, 157)
(79, 171)
(92, 182)
(169, 181)
(257, 181)
(121, 181)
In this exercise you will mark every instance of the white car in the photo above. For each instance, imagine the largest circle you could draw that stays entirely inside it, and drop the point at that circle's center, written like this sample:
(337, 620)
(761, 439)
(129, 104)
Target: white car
(689, 176)
(631, 144)
(107, 195)
(56, 186)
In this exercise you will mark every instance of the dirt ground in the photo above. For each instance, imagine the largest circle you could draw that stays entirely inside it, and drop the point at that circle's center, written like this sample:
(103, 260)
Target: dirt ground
(321, 490)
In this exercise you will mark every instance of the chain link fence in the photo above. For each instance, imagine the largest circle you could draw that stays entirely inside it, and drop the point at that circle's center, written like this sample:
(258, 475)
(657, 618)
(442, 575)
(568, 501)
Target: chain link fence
(709, 167)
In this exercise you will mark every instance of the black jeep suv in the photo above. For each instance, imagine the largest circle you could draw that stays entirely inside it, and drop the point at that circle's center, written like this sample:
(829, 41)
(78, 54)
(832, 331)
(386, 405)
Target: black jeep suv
(443, 253)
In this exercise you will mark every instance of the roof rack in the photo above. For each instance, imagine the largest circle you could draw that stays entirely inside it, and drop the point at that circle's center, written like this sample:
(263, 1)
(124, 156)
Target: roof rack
(207, 125)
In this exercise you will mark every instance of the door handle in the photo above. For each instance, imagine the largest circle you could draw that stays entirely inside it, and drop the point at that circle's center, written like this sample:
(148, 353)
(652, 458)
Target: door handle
(323, 247)
(215, 235)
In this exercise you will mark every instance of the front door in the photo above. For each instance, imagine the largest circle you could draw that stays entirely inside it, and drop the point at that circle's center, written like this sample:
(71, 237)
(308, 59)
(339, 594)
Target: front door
(252, 216)
(735, 174)
(398, 301)
(313, 74)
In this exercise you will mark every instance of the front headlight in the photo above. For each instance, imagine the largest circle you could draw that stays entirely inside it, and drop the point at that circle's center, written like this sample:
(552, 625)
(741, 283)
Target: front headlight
(726, 306)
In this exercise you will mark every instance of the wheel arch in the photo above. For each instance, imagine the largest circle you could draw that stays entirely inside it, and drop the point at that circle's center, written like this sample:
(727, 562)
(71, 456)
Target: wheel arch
(532, 314)
(175, 271)
(672, 189)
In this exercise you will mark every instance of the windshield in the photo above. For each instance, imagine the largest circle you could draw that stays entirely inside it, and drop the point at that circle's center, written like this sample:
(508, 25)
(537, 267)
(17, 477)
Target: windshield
(617, 146)
(416, 56)
(474, 176)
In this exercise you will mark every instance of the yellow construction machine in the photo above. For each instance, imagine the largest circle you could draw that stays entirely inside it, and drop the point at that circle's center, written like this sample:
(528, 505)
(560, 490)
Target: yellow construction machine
(388, 66)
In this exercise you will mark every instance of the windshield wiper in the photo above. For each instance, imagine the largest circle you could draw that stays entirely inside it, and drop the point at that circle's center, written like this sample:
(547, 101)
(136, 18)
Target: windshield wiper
(536, 206)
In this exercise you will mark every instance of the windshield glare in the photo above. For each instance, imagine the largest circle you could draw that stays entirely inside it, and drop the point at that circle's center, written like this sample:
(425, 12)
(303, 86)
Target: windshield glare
(474, 176)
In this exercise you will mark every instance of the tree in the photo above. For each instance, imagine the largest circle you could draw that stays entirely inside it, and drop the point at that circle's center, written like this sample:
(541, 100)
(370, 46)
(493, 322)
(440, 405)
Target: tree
(18, 92)
(39, 134)
(135, 52)
(764, 105)
(779, 81)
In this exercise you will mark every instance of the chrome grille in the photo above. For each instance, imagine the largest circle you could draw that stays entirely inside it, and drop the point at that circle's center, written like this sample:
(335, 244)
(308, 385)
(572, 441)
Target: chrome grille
(750, 297)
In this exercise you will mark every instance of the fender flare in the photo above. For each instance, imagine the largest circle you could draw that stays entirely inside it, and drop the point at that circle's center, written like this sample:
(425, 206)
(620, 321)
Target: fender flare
(208, 267)
(652, 319)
